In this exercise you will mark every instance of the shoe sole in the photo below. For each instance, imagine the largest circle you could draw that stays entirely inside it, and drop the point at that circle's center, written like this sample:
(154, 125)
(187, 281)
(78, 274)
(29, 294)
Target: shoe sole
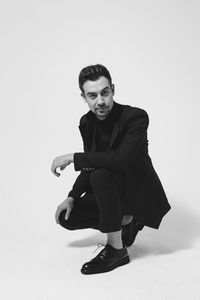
(122, 262)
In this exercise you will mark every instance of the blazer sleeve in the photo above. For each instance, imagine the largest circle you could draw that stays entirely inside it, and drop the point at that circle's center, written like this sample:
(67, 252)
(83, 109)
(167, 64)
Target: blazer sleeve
(119, 158)
(81, 185)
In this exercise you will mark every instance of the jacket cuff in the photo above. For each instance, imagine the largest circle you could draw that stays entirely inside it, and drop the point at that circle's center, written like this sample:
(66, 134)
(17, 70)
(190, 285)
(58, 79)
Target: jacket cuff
(80, 161)
(73, 194)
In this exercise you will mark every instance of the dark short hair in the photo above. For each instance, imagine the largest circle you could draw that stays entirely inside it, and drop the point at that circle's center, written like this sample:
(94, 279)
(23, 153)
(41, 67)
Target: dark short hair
(93, 73)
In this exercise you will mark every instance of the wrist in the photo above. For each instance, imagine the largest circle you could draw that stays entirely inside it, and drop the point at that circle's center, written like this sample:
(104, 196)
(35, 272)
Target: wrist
(69, 198)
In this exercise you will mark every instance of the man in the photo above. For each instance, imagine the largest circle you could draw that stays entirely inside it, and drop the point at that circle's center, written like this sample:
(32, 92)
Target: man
(122, 191)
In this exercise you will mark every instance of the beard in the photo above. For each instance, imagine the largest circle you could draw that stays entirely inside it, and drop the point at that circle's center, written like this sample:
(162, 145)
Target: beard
(102, 113)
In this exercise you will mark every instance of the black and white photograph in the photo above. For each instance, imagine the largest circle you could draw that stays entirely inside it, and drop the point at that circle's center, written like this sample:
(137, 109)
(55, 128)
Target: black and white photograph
(100, 150)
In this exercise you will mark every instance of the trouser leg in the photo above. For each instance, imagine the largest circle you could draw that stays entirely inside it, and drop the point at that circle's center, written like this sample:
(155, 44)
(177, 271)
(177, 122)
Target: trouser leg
(106, 187)
(85, 214)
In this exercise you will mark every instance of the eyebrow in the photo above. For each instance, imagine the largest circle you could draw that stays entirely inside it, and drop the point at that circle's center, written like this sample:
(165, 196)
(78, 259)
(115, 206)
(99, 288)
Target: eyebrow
(92, 93)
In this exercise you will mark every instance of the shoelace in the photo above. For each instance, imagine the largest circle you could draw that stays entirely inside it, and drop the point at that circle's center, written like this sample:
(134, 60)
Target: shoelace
(99, 245)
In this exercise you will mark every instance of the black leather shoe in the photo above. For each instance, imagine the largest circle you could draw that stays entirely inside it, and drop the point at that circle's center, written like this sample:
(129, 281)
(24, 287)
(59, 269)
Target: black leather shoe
(130, 231)
(108, 259)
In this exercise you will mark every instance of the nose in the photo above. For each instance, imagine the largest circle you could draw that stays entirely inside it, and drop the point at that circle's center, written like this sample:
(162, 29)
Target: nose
(100, 101)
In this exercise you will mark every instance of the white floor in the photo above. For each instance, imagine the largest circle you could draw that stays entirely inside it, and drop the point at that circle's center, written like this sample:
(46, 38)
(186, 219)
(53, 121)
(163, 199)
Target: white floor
(44, 262)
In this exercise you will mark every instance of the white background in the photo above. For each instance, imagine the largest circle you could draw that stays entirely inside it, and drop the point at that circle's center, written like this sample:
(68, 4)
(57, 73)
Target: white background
(152, 51)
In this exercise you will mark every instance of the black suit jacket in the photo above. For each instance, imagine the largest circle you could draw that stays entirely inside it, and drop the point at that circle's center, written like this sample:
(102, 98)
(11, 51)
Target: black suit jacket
(127, 154)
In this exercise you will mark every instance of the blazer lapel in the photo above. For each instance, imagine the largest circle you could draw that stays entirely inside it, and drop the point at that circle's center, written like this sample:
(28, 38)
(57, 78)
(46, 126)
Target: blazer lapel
(116, 129)
(93, 141)
(115, 132)
(88, 130)
(91, 132)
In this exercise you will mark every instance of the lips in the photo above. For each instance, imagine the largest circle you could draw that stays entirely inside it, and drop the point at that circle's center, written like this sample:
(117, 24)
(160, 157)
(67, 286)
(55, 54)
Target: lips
(103, 108)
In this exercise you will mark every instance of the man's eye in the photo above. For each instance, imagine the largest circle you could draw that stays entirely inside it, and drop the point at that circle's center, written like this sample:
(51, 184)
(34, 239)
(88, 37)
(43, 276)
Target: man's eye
(92, 96)
(104, 94)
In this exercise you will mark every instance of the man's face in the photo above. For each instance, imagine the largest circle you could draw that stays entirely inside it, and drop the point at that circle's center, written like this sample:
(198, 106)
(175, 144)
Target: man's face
(99, 96)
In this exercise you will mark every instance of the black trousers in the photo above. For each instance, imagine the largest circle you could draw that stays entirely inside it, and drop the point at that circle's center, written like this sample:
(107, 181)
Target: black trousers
(101, 208)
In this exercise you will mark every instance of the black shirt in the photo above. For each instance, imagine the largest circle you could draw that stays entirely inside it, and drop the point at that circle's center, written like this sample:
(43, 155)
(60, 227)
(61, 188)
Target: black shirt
(104, 130)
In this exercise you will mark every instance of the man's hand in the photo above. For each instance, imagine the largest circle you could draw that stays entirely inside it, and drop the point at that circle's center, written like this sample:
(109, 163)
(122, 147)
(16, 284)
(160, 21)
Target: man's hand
(66, 204)
(61, 162)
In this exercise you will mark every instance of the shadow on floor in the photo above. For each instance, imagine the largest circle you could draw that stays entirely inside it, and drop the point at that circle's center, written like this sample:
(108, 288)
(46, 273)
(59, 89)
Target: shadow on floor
(179, 230)
(92, 240)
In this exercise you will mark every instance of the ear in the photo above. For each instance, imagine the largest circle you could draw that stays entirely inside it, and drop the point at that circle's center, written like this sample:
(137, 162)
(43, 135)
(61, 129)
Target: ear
(113, 88)
(83, 97)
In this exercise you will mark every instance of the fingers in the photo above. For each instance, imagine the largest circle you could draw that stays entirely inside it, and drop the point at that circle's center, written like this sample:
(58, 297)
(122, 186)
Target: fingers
(58, 211)
(66, 215)
(67, 205)
(68, 212)
(62, 168)
(53, 169)
(60, 165)
(56, 173)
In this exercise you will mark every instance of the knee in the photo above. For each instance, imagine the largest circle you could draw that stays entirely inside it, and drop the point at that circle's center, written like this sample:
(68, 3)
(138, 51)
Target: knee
(61, 217)
(99, 175)
(63, 222)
